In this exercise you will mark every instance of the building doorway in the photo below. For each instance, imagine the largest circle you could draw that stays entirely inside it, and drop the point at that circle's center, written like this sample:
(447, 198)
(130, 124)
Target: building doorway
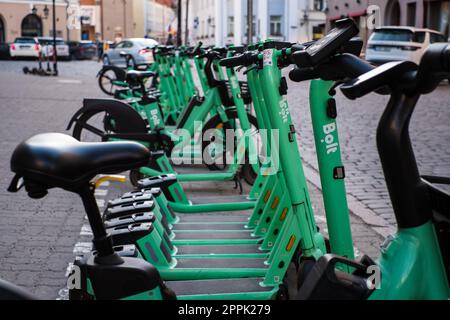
(31, 26)
(2, 30)
(392, 17)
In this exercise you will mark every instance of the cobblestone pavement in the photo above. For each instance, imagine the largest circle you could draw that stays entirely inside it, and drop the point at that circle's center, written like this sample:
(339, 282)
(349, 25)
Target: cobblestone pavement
(37, 238)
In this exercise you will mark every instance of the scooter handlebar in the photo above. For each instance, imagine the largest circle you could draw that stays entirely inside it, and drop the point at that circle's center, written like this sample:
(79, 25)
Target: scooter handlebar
(339, 67)
(197, 50)
(303, 74)
(244, 59)
(351, 65)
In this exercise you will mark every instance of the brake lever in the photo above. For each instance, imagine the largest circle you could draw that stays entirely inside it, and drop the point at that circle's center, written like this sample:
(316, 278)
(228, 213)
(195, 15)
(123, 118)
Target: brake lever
(254, 67)
(240, 68)
(16, 184)
(336, 84)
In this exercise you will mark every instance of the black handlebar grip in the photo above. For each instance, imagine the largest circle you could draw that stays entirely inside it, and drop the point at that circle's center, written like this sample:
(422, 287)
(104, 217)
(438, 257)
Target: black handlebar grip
(436, 59)
(352, 65)
(303, 74)
(197, 49)
(239, 60)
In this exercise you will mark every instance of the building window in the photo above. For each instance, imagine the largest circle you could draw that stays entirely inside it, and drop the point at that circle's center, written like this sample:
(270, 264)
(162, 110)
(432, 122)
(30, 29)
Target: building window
(275, 26)
(318, 31)
(254, 26)
(230, 26)
(318, 5)
(31, 26)
(212, 24)
(411, 14)
(2, 31)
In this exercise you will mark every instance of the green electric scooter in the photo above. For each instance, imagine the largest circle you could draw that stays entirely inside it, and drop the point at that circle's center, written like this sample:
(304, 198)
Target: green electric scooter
(176, 274)
(414, 263)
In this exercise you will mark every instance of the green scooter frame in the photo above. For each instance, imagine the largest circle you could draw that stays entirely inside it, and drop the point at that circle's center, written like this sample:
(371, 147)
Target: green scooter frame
(293, 228)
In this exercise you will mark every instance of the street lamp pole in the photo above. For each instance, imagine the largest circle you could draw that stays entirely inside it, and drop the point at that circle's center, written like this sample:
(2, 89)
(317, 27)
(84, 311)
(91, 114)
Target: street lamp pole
(250, 21)
(55, 56)
(186, 36)
(179, 31)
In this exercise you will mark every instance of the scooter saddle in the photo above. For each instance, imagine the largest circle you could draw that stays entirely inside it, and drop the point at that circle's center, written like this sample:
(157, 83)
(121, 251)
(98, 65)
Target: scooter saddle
(56, 160)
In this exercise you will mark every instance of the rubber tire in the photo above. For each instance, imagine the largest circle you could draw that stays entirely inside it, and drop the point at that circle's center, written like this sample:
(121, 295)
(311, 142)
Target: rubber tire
(248, 173)
(283, 293)
(135, 176)
(214, 122)
(100, 83)
(168, 143)
(76, 133)
(303, 271)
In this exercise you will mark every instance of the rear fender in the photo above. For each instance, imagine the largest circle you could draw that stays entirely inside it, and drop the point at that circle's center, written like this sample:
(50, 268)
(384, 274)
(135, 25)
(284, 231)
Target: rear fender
(127, 120)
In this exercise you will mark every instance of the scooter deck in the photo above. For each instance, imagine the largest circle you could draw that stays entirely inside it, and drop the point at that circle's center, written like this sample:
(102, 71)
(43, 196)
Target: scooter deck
(219, 199)
(221, 263)
(213, 218)
(210, 226)
(213, 235)
(222, 287)
(220, 249)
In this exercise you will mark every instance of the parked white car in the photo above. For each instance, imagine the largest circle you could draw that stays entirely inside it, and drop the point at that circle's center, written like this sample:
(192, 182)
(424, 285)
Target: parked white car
(138, 50)
(62, 49)
(25, 47)
(400, 44)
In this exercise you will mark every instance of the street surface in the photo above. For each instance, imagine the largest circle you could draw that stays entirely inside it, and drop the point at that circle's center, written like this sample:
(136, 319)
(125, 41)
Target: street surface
(38, 238)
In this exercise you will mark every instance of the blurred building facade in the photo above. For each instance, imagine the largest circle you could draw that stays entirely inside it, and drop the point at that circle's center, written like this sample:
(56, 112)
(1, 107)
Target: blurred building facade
(433, 14)
(160, 19)
(34, 18)
(211, 21)
(90, 19)
(225, 21)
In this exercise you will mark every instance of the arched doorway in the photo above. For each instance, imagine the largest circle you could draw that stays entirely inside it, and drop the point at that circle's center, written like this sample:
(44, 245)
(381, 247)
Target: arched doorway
(2, 30)
(31, 26)
(392, 17)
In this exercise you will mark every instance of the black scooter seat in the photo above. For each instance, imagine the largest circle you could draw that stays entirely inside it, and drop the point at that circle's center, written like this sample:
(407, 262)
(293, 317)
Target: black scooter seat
(58, 160)
(135, 75)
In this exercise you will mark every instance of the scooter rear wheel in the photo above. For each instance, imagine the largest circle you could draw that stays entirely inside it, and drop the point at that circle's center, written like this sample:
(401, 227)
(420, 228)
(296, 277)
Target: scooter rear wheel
(106, 80)
(221, 164)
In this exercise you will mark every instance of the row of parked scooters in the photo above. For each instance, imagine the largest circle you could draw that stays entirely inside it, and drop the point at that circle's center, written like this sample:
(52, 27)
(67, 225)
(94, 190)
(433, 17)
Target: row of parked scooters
(155, 243)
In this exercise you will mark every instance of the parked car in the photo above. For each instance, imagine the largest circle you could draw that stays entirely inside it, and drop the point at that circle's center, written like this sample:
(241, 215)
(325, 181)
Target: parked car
(25, 47)
(4, 51)
(82, 50)
(62, 49)
(400, 43)
(138, 51)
